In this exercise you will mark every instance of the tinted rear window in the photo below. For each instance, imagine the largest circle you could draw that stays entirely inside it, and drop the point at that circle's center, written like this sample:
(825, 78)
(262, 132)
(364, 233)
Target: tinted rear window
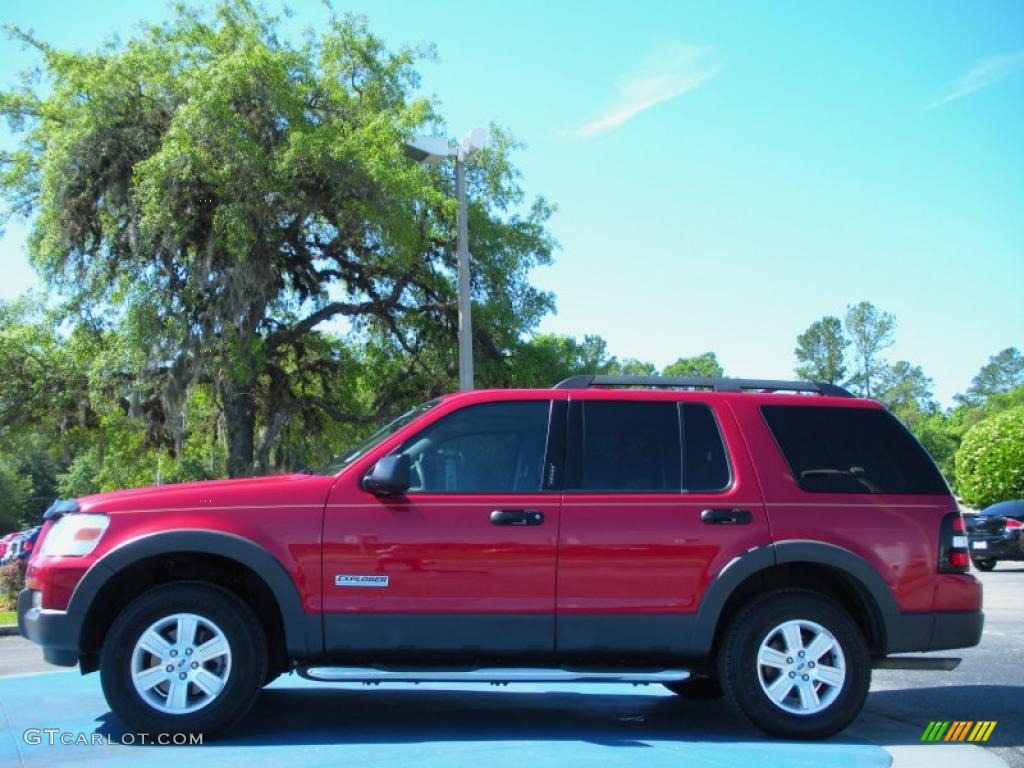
(647, 447)
(705, 467)
(851, 450)
(630, 447)
(1005, 509)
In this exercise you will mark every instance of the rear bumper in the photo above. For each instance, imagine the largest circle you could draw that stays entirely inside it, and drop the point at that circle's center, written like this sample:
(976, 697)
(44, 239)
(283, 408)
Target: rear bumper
(998, 547)
(935, 631)
(56, 631)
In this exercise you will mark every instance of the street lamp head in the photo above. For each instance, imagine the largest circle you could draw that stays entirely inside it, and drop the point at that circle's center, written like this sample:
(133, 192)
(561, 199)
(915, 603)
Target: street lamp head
(473, 142)
(428, 149)
(431, 150)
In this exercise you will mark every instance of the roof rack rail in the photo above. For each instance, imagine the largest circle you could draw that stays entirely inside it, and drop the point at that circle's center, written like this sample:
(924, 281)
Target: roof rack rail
(713, 383)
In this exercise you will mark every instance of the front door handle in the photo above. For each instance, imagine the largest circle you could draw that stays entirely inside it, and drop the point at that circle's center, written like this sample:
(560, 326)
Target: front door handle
(517, 517)
(726, 516)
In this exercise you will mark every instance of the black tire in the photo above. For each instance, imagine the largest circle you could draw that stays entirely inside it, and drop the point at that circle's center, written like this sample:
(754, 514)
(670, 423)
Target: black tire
(984, 563)
(741, 675)
(242, 680)
(697, 689)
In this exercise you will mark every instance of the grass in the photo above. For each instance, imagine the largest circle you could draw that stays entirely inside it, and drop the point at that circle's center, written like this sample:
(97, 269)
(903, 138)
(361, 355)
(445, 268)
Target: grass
(8, 617)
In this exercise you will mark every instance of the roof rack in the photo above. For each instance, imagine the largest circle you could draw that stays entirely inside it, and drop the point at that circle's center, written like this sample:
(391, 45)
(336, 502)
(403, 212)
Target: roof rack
(713, 383)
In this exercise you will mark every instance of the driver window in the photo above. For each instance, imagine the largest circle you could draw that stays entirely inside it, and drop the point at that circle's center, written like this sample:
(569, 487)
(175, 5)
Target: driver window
(486, 448)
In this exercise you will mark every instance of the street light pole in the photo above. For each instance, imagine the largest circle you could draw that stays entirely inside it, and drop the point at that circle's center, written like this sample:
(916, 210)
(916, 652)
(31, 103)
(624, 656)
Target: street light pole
(465, 305)
(431, 149)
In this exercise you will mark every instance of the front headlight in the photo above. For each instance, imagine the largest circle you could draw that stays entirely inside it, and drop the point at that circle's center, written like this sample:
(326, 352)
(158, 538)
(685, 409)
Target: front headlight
(74, 535)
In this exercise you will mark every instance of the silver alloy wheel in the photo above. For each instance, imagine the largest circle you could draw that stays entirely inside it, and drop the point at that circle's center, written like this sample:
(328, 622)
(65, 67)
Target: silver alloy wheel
(181, 663)
(801, 667)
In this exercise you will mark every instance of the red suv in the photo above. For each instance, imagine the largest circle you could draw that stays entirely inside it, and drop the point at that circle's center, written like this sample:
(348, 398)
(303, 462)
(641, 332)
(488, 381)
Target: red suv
(769, 541)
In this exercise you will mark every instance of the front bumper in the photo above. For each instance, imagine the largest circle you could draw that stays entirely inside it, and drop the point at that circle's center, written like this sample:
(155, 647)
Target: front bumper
(56, 631)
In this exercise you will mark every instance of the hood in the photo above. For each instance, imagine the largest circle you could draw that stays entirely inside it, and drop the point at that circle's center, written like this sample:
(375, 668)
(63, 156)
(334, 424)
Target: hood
(254, 492)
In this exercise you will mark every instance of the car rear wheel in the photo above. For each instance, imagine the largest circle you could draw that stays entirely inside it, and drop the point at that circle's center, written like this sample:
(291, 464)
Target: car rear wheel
(984, 563)
(183, 658)
(795, 664)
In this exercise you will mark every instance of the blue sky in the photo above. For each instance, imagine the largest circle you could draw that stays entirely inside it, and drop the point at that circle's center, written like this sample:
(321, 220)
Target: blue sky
(726, 173)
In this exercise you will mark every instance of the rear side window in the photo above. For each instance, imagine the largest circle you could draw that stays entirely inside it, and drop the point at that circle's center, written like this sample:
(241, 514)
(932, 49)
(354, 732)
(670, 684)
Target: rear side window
(851, 450)
(646, 447)
(705, 467)
(630, 447)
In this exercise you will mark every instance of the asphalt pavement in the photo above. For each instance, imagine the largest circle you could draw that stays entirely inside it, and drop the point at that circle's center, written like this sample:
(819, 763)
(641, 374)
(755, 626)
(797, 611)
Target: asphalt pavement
(988, 684)
(306, 723)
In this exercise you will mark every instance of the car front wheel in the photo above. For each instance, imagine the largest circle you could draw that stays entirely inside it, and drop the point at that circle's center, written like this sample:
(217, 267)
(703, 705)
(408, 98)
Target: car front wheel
(188, 657)
(795, 664)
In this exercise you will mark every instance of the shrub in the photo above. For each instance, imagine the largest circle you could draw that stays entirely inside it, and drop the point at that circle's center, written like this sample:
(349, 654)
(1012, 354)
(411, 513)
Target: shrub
(12, 581)
(990, 461)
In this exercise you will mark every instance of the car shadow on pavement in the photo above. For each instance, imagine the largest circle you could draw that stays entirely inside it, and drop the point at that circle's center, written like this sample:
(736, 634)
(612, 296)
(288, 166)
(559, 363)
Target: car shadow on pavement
(305, 716)
(322, 715)
(919, 706)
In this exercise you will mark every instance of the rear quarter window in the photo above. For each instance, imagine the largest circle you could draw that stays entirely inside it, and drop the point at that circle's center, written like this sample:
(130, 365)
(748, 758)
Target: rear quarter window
(851, 450)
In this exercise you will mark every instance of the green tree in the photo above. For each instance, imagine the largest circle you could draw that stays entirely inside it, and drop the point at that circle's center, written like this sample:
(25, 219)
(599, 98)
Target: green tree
(15, 499)
(214, 193)
(705, 364)
(631, 366)
(45, 381)
(940, 434)
(547, 358)
(1003, 371)
(906, 391)
(871, 332)
(990, 461)
(821, 350)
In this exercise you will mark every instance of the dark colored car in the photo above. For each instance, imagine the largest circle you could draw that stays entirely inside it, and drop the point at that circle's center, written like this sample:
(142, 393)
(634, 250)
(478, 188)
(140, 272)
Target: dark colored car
(714, 535)
(997, 533)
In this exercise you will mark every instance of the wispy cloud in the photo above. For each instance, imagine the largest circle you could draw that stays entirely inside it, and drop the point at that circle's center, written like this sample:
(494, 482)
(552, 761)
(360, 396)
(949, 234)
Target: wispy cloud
(666, 74)
(983, 74)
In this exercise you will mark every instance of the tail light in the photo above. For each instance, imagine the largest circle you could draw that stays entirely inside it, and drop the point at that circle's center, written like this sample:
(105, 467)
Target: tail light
(953, 554)
(1012, 525)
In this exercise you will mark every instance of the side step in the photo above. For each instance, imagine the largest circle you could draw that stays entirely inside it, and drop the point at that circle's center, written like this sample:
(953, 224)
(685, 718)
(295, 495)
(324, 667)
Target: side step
(490, 675)
(926, 663)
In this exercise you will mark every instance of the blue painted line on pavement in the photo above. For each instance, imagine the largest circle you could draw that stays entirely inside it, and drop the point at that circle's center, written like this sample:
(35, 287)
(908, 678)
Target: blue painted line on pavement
(305, 724)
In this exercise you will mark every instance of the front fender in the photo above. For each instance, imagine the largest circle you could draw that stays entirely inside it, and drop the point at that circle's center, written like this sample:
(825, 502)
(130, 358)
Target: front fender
(303, 632)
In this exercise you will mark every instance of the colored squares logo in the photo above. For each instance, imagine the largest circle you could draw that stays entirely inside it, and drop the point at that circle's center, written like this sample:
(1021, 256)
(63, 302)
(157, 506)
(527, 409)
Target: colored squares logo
(958, 730)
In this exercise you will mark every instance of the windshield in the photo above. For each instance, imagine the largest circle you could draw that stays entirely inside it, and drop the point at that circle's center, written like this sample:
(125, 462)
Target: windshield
(339, 463)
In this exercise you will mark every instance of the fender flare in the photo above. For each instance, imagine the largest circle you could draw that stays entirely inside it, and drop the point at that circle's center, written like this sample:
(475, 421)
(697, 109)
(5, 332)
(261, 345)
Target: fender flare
(863, 576)
(302, 631)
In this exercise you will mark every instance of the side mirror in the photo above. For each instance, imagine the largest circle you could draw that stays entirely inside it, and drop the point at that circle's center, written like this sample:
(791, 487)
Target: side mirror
(389, 476)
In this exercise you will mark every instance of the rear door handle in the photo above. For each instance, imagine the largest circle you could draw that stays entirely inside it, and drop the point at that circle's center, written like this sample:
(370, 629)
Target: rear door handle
(726, 516)
(517, 517)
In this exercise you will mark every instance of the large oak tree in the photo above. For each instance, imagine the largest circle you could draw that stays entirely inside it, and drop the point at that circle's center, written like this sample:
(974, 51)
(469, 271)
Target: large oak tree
(216, 192)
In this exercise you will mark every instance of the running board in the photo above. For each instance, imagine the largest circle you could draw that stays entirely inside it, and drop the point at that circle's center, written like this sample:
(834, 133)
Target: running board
(489, 675)
(927, 663)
